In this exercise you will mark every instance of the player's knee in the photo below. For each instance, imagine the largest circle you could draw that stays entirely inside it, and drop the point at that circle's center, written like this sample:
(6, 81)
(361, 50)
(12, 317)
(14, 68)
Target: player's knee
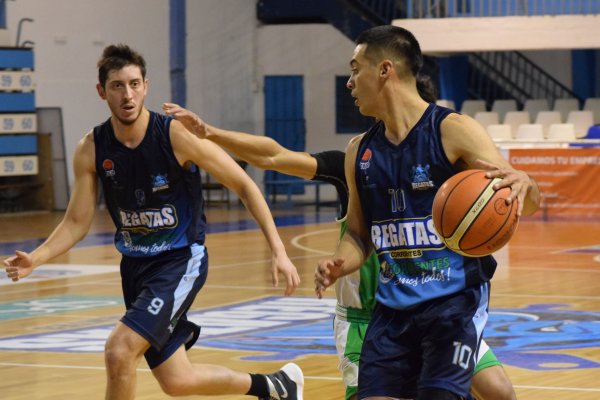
(173, 386)
(436, 394)
(119, 356)
(504, 392)
(114, 359)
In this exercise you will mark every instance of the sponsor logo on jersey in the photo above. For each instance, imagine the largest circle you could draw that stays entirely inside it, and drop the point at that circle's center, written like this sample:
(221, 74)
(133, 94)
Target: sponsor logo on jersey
(365, 159)
(421, 179)
(149, 219)
(109, 167)
(409, 235)
(402, 243)
(159, 182)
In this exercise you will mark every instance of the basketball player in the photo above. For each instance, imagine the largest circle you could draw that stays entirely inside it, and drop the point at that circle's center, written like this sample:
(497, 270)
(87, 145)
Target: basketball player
(148, 165)
(355, 292)
(431, 303)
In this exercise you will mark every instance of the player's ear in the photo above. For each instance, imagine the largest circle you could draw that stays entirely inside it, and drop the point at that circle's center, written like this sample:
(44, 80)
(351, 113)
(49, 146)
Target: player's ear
(386, 68)
(101, 91)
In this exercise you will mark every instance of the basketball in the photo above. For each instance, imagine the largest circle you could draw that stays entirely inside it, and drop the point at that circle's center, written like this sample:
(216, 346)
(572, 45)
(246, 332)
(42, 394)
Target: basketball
(471, 217)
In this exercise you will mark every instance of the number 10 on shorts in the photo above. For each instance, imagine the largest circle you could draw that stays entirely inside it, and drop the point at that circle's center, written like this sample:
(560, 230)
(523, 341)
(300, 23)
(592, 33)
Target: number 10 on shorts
(462, 355)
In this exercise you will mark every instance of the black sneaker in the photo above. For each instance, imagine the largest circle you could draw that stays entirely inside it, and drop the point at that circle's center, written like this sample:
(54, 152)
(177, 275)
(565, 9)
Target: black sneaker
(286, 384)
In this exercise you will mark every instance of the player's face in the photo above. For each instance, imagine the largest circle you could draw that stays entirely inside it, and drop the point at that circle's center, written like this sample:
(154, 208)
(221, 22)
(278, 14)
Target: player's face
(363, 81)
(124, 92)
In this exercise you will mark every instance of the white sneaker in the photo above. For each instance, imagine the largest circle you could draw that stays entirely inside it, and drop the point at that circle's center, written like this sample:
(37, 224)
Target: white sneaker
(286, 384)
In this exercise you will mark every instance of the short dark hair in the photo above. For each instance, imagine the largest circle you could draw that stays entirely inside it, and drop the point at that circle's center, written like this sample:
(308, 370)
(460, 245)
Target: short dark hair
(115, 57)
(394, 42)
(426, 88)
(400, 45)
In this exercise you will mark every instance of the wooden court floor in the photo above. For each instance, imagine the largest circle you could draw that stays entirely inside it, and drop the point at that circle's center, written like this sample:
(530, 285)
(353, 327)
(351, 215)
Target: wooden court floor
(544, 317)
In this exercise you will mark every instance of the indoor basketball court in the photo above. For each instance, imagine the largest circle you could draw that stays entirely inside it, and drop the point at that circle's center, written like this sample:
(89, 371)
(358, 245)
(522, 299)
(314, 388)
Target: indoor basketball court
(527, 71)
(543, 319)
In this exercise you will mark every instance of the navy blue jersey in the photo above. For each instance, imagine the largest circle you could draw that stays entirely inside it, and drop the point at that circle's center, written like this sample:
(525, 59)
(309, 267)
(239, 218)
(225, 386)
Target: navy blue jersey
(155, 203)
(397, 185)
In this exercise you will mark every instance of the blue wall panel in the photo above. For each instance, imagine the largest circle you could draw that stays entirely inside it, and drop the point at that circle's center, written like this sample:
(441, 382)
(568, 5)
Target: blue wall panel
(284, 115)
(16, 58)
(17, 102)
(18, 144)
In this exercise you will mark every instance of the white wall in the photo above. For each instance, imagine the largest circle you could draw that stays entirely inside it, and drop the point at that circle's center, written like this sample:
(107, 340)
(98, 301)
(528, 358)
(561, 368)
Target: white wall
(221, 51)
(557, 63)
(550, 32)
(69, 37)
(318, 52)
(229, 52)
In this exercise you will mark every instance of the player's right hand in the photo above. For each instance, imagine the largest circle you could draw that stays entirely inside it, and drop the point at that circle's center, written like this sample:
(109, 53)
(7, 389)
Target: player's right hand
(18, 266)
(326, 273)
(191, 121)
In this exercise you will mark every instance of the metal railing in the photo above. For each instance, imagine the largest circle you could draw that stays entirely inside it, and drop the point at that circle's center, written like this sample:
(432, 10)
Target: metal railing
(498, 8)
(503, 75)
(379, 12)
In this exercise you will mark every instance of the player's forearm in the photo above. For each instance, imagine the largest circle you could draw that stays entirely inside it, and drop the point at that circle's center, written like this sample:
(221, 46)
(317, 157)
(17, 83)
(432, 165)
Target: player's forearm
(353, 250)
(257, 206)
(64, 237)
(254, 149)
(532, 200)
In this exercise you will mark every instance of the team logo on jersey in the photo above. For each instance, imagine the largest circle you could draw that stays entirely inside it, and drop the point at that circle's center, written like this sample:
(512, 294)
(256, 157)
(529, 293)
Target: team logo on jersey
(365, 160)
(159, 182)
(420, 178)
(109, 167)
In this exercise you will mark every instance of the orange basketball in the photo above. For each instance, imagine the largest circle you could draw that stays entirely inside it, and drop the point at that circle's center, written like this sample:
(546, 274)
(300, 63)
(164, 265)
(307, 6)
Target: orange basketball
(471, 217)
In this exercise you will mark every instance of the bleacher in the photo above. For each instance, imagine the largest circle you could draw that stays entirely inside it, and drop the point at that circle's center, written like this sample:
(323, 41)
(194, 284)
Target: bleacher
(23, 183)
(538, 124)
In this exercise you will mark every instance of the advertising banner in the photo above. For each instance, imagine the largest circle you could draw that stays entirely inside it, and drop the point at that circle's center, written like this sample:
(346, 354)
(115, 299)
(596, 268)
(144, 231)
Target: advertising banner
(569, 179)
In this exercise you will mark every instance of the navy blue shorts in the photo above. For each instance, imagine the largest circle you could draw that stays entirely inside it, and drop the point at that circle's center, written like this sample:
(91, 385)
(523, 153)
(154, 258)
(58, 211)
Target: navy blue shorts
(158, 291)
(433, 345)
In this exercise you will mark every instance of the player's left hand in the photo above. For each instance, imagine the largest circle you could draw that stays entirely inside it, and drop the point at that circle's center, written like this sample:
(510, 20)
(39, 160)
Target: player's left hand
(18, 266)
(519, 182)
(280, 263)
(191, 121)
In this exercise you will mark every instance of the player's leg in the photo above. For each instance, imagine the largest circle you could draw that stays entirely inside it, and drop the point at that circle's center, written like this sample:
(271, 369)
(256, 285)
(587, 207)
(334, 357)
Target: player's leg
(123, 352)
(157, 293)
(490, 381)
(348, 342)
(390, 359)
(177, 376)
(451, 329)
(159, 314)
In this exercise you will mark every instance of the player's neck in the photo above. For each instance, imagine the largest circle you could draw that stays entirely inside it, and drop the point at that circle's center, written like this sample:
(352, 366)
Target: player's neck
(402, 115)
(131, 135)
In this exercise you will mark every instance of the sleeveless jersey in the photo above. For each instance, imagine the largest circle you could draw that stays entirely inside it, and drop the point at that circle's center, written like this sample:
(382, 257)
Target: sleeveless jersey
(355, 293)
(155, 204)
(397, 185)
